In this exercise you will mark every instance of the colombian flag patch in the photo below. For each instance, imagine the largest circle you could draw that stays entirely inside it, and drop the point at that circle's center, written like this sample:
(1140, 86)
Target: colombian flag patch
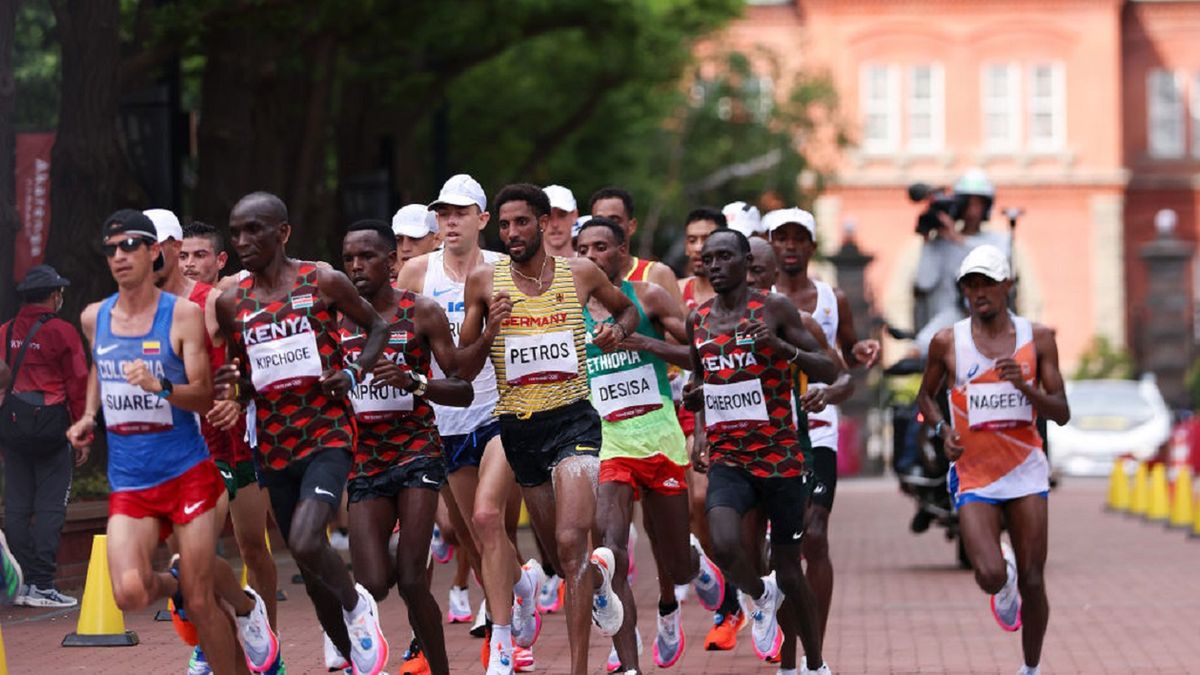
(151, 347)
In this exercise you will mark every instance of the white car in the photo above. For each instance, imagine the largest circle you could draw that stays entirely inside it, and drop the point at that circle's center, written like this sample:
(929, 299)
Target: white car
(1109, 419)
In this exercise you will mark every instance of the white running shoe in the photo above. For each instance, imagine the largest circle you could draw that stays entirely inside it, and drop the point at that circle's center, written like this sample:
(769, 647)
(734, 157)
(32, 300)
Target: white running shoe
(32, 596)
(340, 541)
(607, 611)
(368, 648)
(258, 641)
(709, 582)
(526, 620)
(614, 661)
(500, 659)
(1027, 670)
(1006, 605)
(669, 642)
(681, 592)
(458, 608)
(333, 658)
(549, 600)
(764, 627)
(479, 628)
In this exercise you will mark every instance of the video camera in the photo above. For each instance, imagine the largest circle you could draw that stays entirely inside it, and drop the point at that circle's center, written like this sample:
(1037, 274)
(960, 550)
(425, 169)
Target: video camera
(939, 200)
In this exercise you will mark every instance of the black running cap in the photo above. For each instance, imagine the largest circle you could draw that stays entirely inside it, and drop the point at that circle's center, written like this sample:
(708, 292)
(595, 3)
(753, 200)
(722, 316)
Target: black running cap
(131, 222)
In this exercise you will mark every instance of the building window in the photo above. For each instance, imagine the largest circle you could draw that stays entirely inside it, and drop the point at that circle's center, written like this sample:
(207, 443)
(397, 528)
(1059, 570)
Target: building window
(926, 108)
(1165, 116)
(879, 94)
(1047, 101)
(1001, 107)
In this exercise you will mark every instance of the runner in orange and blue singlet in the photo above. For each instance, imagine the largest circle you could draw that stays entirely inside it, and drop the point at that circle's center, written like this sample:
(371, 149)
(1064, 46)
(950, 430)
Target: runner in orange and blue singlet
(1004, 374)
(744, 344)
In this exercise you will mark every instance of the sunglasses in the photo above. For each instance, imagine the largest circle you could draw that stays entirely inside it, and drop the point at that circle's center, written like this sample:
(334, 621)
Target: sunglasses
(127, 245)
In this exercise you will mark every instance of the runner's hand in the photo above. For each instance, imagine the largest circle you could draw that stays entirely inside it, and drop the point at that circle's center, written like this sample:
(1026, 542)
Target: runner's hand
(225, 378)
(80, 433)
(224, 414)
(138, 374)
(814, 400)
(335, 383)
(634, 342)
(389, 374)
(605, 338)
(1010, 371)
(498, 311)
(866, 352)
(693, 396)
(952, 443)
(762, 335)
(700, 451)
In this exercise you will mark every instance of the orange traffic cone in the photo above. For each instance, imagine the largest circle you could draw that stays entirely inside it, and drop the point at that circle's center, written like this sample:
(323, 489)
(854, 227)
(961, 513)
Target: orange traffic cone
(101, 623)
(1140, 500)
(1182, 506)
(1159, 509)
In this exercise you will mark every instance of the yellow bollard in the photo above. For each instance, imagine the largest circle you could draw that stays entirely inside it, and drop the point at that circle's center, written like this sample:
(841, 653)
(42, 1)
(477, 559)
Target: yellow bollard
(1159, 508)
(1118, 487)
(1140, 499)
(1182, 506)
(101, 623)
(1196, 522)
(3, 656)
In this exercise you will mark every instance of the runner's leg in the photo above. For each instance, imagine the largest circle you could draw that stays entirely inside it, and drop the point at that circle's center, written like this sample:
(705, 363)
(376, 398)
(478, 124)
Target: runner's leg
(574, 509)
(325, 577)
(979, 526)
(1027, 527)
(614, 510)
(197, 562)
(499, 563)
(416, 507)
(789, 574)
(819, 569)
(249, 514)
(131, 544)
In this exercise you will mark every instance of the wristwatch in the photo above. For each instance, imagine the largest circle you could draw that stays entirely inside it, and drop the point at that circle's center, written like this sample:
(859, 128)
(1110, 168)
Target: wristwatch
(421, 385)
(167, 388)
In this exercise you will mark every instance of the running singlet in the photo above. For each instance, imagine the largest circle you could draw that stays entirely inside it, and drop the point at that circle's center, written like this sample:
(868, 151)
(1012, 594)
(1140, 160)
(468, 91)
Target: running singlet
(632, 394)
(394, 427)
(689, 293)
(1002, 456)
(150, 441)
(641, 269)
(823, 426)
(448, 294)
(539, 353)
(747, 399)
(288, 344)
(220, 445)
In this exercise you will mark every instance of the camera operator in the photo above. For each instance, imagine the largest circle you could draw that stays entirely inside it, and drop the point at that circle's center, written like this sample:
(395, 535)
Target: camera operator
(938, 301)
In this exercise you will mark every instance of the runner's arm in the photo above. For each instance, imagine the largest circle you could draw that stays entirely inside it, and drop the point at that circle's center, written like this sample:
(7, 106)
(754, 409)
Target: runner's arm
(667, 314)
(593, 283)
(210, 319)
(450, 390)
(197, 394)
(412, 275)
(816, 398)
(931, 383)
(1050, 399)
(482, 316)
(662, 276)
(232, 372)
(343, 296)
(804, 351)
(855, 352)
(80, 433)
(693, 393)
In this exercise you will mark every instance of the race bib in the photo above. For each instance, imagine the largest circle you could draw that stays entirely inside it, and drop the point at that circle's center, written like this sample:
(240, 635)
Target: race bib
(997, 405)
(734, 405)
(372, 404)
(537, 359)
(626, 393)
(285, 362)
(132, 410)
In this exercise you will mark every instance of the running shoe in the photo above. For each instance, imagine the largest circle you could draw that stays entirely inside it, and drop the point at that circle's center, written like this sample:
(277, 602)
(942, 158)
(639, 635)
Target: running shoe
(681, 592)
(722, 637)
(1030, 670)
(442, 551)
(258, 641)
(499, 659)
(179, 619)
(368, 648)
(669, 643)
(607, 611)
(550, 597)
(764, 627)
(709, 582)
(523, 660)
(458, 609)
(823, 670)
(1006, 605)
(614, 662)
(334, 660)
(45, 597)
(414, 661)
(526, 620)
(339, 540)
(479, 628)
(198, 664)
(12, 583)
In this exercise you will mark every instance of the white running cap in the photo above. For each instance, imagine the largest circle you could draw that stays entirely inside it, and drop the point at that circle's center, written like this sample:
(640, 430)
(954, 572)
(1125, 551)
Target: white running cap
(415, 221)
(461, 190)
(579, 223)
(166, 223)
(986, 260)
(560, 197)
(780, 217)
(743, 217)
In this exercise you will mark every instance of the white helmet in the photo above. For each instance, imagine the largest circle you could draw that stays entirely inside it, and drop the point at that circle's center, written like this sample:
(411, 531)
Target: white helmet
(975, 182)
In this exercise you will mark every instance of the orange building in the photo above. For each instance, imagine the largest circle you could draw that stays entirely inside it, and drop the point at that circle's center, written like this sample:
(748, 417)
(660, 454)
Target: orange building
(1085, 113)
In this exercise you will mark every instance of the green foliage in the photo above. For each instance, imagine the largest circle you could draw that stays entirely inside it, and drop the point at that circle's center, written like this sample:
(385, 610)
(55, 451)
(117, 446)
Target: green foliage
(1192, 381)
(1103, 361)
(36, 66)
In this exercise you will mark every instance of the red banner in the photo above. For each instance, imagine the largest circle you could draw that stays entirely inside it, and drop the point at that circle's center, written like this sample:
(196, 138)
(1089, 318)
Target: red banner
(33, 201)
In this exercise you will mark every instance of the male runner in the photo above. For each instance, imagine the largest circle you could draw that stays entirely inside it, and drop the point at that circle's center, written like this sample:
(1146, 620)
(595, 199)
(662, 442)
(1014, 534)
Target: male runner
(398, 464)
(617, 205)
(150, 375)
(416, 230)
(744, 344)
(793, 235)
(202, 258)
(560, 231)
(281, 320)
(533, 306)
(644, 452)
(1004, 370)
(479, 476)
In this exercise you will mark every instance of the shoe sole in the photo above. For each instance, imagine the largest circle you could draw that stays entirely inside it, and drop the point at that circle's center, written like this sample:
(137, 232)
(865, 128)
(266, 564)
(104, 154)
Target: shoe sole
(1000, 622)
(775, 647)
(273, 652)
(678, 652)
(28, 601)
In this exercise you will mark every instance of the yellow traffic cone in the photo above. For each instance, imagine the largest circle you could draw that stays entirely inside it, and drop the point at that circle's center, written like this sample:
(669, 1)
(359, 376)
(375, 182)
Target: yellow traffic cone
(1181, 500)
(1196, 521)
(1159, 509)
(3, 656)
(101, 623)
(1118, 488)
(1140, 500)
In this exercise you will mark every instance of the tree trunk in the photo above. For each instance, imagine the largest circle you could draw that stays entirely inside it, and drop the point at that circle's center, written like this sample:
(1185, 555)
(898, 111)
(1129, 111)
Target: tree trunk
(9, 224)
(87, 166)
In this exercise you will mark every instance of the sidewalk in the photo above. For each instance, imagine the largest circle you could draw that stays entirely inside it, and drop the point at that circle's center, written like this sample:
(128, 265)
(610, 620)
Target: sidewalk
(1125, 598)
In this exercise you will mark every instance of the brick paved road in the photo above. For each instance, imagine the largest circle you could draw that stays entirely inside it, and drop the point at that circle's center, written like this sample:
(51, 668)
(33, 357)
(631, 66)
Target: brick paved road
(1125, 598)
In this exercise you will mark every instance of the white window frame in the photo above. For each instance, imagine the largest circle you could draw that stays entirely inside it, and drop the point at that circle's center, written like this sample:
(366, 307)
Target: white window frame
(1160, 113)
(1054, 104)
(888, 106)
(1009, 105)
(934, 107)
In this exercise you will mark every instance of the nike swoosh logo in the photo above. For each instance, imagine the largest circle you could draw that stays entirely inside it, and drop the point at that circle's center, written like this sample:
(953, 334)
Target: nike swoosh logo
(251, 315)
(797, 535)
(440, 293)
(101, 351)
(323, 492)
(425, 479)
(226, 475)
(191, 508)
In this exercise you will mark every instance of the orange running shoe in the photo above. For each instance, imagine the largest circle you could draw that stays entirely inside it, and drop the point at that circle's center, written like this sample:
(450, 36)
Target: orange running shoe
(722, 637)
(414, 661)
(185, 629)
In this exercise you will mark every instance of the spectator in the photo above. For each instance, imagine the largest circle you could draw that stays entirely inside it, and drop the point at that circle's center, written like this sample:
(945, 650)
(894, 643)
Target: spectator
(49, 385)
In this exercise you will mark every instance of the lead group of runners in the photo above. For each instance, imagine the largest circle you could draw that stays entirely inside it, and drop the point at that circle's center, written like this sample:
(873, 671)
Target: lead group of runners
(586, 377)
